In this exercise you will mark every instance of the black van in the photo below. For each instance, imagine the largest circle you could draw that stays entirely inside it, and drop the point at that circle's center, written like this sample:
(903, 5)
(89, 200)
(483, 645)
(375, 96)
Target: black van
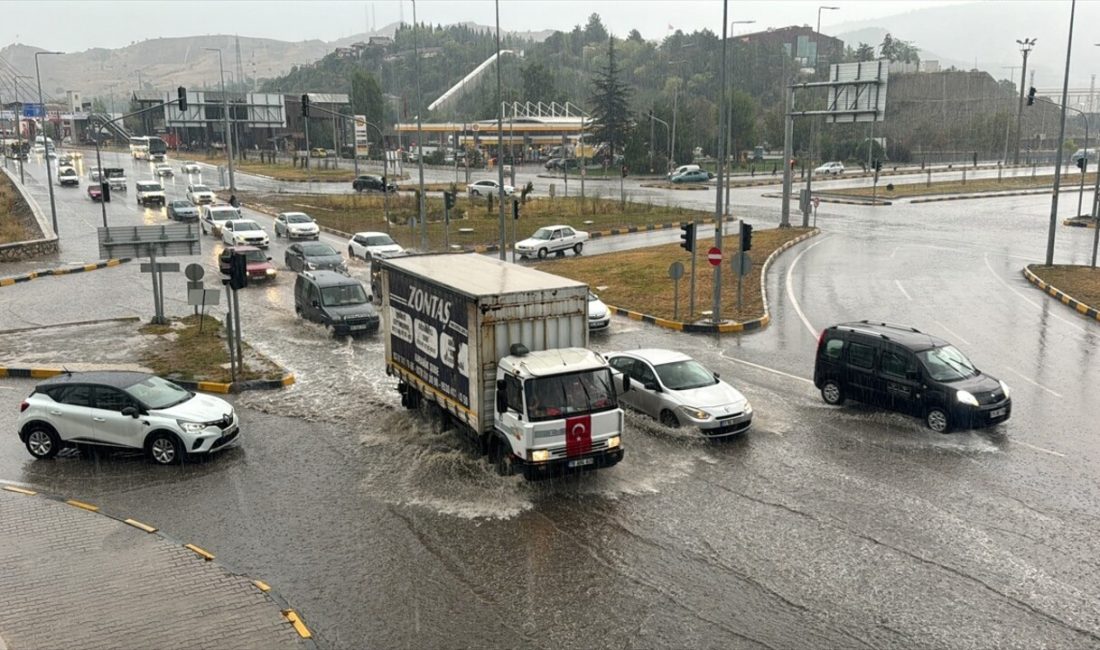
(905, 370)
(336, 301)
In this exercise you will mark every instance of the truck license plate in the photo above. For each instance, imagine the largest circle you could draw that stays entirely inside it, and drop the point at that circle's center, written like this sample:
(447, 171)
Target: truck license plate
(996, 413)
(581, 462)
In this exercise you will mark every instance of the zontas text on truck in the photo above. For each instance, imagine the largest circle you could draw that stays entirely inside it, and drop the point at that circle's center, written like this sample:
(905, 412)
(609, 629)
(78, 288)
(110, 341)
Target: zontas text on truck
(500, 350)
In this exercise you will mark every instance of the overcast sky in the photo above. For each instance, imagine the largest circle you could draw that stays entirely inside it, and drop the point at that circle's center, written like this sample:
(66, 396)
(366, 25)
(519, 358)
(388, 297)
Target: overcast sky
(80, 25)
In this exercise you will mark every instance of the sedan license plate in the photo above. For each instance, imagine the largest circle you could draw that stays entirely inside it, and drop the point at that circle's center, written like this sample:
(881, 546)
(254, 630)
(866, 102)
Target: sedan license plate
(996, 413)
(581, 462)
(356, 328)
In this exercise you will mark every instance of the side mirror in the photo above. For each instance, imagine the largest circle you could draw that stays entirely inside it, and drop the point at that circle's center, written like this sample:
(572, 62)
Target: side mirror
(269, 259)
(130, 411)
(717, 376)
(652, 385)
(626, 383)
(315, 304)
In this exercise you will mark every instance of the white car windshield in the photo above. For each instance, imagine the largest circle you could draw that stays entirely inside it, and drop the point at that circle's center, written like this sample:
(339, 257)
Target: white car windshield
(298, 218)
(246, 225)
(685, 375)
(344, 294)
(542, 233)
(947, 363)
(149, 187)
(157, 393)
(200, 188)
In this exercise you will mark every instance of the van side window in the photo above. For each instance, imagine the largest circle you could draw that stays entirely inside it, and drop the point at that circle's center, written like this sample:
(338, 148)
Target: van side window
(833, 349)
(861, 356)
(895, 363)
(512, 388)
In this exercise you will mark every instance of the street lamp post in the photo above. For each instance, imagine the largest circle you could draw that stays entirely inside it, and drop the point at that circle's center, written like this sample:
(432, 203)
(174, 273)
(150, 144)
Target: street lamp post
(225, 108)
(45, 118)
(1053, 228)
(500, 142)
(1095, 216)
(813, 131)
(729, 125)
(19, 126)
(1025, 48)
(668, 139)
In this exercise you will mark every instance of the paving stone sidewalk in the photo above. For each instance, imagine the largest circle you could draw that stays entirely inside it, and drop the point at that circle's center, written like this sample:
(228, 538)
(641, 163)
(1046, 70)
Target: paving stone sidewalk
(71, 578)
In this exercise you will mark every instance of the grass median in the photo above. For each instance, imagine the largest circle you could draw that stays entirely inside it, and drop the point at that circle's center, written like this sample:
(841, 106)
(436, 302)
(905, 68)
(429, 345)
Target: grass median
(181, 351)
(1079, 282)
(638, 279)
(972, 186)
(15, 214)
(473, 223)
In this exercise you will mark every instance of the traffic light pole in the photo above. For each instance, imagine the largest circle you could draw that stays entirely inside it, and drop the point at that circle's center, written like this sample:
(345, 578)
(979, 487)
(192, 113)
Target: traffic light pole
(694, 245)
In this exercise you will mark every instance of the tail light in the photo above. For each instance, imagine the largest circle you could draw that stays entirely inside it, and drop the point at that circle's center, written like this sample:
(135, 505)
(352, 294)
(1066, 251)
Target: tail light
(24, 406)
(820, 340)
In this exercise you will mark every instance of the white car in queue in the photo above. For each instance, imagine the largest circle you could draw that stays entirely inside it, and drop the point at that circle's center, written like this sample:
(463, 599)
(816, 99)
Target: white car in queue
(370, 245)
(599, 316)
(296, 225)
(679, 391)
(244, 232)
(552, 239)
(214, 217)
(200, 194)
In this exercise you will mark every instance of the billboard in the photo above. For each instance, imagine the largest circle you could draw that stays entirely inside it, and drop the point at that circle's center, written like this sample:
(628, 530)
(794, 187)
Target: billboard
(33, 110)
(429, 334)
(362, 140)
(857, 92)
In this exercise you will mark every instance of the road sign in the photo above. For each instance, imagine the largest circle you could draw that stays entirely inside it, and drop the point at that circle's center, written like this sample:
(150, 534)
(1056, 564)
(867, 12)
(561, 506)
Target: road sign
(140, 241)
(714, 256)
(161, 267)
(204, 297)
(741, 263)
(817, 202)
(33, 110)
(676, 271)
(194, 272)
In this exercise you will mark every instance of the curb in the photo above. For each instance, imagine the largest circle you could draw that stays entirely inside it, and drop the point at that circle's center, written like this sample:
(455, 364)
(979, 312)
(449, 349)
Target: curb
(1081, 222)
(44, 372)
(670, 186)
(961, 197)
(62, 270)
(825, 198)
(725, 328)
(1077, 305)
(44, 224)
(291, 616)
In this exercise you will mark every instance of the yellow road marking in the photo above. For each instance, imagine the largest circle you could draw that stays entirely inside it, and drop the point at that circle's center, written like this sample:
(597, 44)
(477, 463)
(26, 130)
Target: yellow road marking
(206, 555)
(137, 524)
(83, 506)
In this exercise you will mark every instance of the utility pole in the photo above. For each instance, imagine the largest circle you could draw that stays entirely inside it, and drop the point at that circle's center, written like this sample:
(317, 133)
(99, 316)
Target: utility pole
(45, 118)
(1025, 48)
(788, 136)
(1061, 141)
(717, 316)
(500, 143)
(225, 109)
(419, 139)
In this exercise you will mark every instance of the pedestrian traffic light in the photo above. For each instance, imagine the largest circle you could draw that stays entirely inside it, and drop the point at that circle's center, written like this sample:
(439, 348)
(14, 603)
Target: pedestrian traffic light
(746, 237)
(305, 105)
(515, 209)
(238, 271)
(687, 237)
(181, 93)
(1031, 96)
(105, 191)
(449, 199)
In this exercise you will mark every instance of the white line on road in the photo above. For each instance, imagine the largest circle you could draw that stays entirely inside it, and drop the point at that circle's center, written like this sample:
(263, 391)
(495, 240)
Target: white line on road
(1033, 382)
(790, 288)
(765, 368)
(1029, 300)
(1045, 451)
(948, 330)
(902, 289)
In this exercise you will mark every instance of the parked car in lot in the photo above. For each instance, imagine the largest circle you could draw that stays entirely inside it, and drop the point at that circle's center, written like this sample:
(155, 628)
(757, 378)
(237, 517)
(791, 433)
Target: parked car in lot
(318, 152)
(599, 316)
(371, 183)
(679, 391)
(125, 410)
(296, 225)
(834, 168)
(200, 194)
(558, 164)
(313, 256)
(149, 193)
(95, 192)
(336, 301)
(692, 176)
(487, 186)
(189, 167)
(182, 210)
(371, 245)
(67, 176)
(244, 232)
(163, 170)
(903, 369)
(214, 217)
(552, 239)
(257, 263)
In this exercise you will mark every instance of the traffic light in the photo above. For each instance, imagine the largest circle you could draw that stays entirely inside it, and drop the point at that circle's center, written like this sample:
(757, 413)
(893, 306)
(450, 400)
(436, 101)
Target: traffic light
(624, 171)
(181, 93)
(878, 165)
(746, 237)
(238, 271)
(1081, 162)
(687, 237)
(305, 105)
(1031, 96)
(449, 199)
(105, 191)
(515, 209)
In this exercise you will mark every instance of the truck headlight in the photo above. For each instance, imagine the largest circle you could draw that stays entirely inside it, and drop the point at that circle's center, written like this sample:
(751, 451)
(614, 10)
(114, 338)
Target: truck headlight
(540, 455)
(613, 442)
(965, 397)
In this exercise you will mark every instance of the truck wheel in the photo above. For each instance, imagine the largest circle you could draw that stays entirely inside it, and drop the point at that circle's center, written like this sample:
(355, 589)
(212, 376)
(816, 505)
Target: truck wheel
(577, 248)
(502, 460)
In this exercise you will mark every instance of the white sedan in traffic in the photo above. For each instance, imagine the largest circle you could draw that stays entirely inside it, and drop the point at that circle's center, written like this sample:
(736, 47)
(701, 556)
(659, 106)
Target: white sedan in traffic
(679, 391)
(370, 245)
(244, 232)
(487, 187)
(552, 239)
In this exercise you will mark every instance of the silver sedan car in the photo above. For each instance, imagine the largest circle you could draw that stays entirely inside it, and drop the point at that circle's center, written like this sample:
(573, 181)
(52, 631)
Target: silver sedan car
(679, 391)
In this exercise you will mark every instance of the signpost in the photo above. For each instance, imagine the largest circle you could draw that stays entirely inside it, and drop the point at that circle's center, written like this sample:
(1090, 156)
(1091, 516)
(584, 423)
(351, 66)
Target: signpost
(741, 264)
(817, 202)
(676, 271)
(139, 241)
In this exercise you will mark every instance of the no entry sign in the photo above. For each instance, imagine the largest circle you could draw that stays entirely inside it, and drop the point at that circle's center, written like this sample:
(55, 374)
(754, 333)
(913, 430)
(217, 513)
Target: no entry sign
(714, 256)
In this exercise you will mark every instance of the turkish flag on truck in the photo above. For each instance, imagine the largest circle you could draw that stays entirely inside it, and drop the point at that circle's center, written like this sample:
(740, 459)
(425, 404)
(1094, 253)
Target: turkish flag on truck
(578, 435)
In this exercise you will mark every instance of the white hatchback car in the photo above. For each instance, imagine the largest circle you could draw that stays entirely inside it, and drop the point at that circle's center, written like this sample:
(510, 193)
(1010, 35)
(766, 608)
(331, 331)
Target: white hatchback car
(244, 232)
(834, 168)
(487, 187)
(369, 245)
(124, 410)
(599, 316)
(677, 390)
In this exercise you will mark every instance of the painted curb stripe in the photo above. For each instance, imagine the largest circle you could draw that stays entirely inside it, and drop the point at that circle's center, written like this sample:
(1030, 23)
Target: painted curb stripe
(200, 552)
(67, 270)
(83, 506)
(213, 387)
(299, 626)
(19, 490)
(137, 524)
(262, 586)
(1078, 306)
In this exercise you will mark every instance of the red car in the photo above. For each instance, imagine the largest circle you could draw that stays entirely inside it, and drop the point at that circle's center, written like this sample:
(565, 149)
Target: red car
(260, 268)
(95, 192)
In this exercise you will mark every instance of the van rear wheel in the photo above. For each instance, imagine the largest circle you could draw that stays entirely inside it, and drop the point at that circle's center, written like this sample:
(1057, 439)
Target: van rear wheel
(832, 393)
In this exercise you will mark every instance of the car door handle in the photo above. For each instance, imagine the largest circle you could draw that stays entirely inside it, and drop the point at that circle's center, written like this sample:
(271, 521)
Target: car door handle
(55, 412)
(99, 419)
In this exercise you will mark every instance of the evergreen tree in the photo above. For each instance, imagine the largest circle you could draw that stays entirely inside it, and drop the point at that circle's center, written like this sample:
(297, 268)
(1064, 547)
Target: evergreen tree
(609, 104)
(865, 52)
(366, 99)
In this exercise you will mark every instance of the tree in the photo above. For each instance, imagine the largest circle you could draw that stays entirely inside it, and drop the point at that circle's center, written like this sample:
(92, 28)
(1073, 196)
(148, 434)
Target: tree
(609, 99)
(896, 49)
(635, 36)
(594, 31)
(366, 99)
(865, 52)
(538, 83)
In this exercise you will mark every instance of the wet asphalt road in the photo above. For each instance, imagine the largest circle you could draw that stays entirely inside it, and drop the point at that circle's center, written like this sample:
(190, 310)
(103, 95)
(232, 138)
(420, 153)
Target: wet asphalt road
(823, 527)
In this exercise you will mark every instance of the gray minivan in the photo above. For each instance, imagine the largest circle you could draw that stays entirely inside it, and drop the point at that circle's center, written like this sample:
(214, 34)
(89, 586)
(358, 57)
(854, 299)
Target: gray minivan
(336, 301)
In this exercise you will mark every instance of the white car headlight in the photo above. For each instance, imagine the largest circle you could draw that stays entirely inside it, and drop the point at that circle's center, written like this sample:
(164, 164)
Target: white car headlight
(965, 397)
(191, 427)
(748, 407)
(695, 413)
(1004, 387)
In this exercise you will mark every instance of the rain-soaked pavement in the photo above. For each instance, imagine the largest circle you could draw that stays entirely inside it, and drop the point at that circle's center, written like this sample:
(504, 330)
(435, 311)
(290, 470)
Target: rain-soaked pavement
(822, 527)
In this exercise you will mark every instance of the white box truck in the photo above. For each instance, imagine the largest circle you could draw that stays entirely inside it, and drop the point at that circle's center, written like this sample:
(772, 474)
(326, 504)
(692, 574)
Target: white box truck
(500, 349)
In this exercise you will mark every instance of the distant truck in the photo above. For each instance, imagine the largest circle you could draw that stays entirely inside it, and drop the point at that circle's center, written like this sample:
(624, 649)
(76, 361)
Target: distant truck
(500, 349)
(116, 178)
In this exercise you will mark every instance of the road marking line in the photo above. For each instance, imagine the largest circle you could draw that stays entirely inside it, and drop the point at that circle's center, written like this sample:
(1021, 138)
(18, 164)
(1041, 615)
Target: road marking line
(1029, 300)
(790, 288)
(1045, 451)
(765, 368)
(137, 524)
(206, 555)
(902, 289)
(19, 490)
(83, 506)
(299, 626)
(1032, 382)
(949, 331)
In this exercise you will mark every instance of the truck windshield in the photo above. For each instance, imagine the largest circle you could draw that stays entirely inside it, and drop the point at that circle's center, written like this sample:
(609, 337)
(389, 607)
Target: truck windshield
(566, 395)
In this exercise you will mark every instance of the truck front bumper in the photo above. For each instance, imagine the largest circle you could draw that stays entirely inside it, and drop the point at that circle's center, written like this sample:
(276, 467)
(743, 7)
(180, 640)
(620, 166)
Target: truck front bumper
(561, 466)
